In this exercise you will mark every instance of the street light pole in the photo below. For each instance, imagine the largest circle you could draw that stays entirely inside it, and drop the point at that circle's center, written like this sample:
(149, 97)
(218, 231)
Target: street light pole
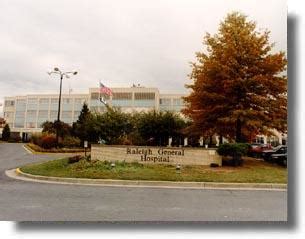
(62, 74)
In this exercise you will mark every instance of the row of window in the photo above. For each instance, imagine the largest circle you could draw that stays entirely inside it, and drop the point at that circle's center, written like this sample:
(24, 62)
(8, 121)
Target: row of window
(125, 96)
(167, 101)
(35, 101)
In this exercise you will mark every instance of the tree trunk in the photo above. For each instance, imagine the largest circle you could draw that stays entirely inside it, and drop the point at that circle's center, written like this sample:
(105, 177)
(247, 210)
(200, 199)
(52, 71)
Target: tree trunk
(238, 131)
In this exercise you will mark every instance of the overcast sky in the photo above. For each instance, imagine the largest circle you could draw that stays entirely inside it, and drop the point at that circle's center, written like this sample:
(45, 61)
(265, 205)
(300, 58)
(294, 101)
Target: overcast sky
(120, 42)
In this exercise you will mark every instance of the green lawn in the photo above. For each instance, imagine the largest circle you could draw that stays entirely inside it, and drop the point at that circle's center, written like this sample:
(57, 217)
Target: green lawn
(253, 171)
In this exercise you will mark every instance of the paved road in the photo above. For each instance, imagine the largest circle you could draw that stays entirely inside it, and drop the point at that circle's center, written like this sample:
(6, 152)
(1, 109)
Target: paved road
(27, 201)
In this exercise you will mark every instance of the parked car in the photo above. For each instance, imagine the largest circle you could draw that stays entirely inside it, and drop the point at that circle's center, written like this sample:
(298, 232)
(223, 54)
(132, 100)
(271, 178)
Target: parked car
(279, 150)
(280, 159)
(256, 149)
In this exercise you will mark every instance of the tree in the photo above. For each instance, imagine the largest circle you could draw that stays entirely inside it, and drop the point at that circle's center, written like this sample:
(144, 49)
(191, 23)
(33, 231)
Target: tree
(6, 132)
(238, 83)
(80, 127)
(114, 125)
(64, 129)
(156, 127)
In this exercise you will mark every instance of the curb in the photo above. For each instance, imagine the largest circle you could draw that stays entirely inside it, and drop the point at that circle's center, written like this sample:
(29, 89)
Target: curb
(32, 151)
(141, 183)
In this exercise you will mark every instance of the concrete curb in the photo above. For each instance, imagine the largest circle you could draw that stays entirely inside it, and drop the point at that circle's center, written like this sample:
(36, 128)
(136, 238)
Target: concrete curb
(138, 183)
(32, 151)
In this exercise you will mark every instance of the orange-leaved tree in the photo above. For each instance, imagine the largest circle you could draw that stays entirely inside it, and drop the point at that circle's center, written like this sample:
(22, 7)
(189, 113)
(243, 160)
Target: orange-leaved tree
(239, 84)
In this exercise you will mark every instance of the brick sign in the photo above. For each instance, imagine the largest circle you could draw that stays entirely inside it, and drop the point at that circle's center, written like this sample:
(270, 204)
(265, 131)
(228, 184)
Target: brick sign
(161, 155)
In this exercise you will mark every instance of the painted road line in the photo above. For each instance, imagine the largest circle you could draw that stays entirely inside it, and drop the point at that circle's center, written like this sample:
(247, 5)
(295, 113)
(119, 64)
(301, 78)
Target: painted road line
(26, 149)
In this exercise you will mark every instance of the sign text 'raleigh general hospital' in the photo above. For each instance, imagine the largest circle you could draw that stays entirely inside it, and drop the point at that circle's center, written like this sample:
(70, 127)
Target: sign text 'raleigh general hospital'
(155, 154)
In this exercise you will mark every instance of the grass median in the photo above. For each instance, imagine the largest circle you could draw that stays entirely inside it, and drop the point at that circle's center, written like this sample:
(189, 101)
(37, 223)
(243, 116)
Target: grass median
(252, 171)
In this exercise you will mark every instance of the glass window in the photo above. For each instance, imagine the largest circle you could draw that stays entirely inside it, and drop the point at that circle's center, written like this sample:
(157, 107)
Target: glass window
(79, 101)
(31, 113)
(19, 124)
(122, 103)
(43, 114)
(144, 96)
(19, 114)
(54, 101)
(30, 124)
(66, 114)
(164, 101)
(21, 101)
(66, 100)
(9, 103)
(95, 96)
(122, 96)
(53, 114)
(76, 114)
(20, 104)
(144, 103)
(32, 100)
(177, 102)
(44, 101)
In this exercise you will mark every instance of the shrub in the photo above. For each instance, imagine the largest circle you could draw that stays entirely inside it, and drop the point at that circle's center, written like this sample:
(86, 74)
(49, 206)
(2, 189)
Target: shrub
(236, 151)
(36, 138)
(71, 142)
(48, 141)
(74, 159)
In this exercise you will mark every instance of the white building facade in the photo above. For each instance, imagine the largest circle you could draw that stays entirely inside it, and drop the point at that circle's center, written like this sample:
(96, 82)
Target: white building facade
(25, 114)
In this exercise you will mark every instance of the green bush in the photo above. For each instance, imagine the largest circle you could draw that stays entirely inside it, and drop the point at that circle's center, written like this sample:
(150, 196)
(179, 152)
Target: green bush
(71, 142)
(236, 151)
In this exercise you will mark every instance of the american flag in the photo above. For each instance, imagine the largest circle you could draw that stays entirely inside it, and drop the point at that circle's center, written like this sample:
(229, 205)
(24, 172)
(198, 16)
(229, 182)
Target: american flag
(105, 90)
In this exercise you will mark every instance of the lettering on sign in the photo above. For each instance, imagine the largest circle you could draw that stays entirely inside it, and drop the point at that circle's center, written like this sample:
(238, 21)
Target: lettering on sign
(159, 155)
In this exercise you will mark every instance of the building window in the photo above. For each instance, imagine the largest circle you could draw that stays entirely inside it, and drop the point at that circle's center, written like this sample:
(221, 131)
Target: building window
(177, 102)
(122, 103)
(30, 124)
(122, 96)
(54, 101)
(94, 96)
(20, 114)
(19, 124)
(9, 103)
(165, 101)
(31, 114)
(79, 101)
(32, 100)
(66, 101)
(76, 114)
(53, 114)
(44, 101)
(43, 114)
(66, 114)
(144, 96)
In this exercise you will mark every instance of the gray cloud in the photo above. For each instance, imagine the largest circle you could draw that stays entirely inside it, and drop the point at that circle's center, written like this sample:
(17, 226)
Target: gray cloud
(119, 42)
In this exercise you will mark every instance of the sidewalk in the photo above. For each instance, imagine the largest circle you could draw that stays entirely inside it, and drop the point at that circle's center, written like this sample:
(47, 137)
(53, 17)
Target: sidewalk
(18, 174)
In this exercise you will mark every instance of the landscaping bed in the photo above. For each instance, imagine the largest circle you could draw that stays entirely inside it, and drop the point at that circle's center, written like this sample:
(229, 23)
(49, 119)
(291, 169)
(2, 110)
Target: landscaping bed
(252, 171)
(36, 148)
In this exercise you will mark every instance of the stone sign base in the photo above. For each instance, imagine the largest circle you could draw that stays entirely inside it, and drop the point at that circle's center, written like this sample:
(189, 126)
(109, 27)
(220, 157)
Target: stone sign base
(160, 155)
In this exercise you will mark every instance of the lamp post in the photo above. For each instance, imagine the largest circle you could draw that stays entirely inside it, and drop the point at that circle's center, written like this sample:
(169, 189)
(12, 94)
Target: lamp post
(62, 75)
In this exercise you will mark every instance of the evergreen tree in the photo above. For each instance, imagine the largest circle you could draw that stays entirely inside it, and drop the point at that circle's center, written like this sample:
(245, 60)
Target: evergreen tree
(80, 127)
(6, 132)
